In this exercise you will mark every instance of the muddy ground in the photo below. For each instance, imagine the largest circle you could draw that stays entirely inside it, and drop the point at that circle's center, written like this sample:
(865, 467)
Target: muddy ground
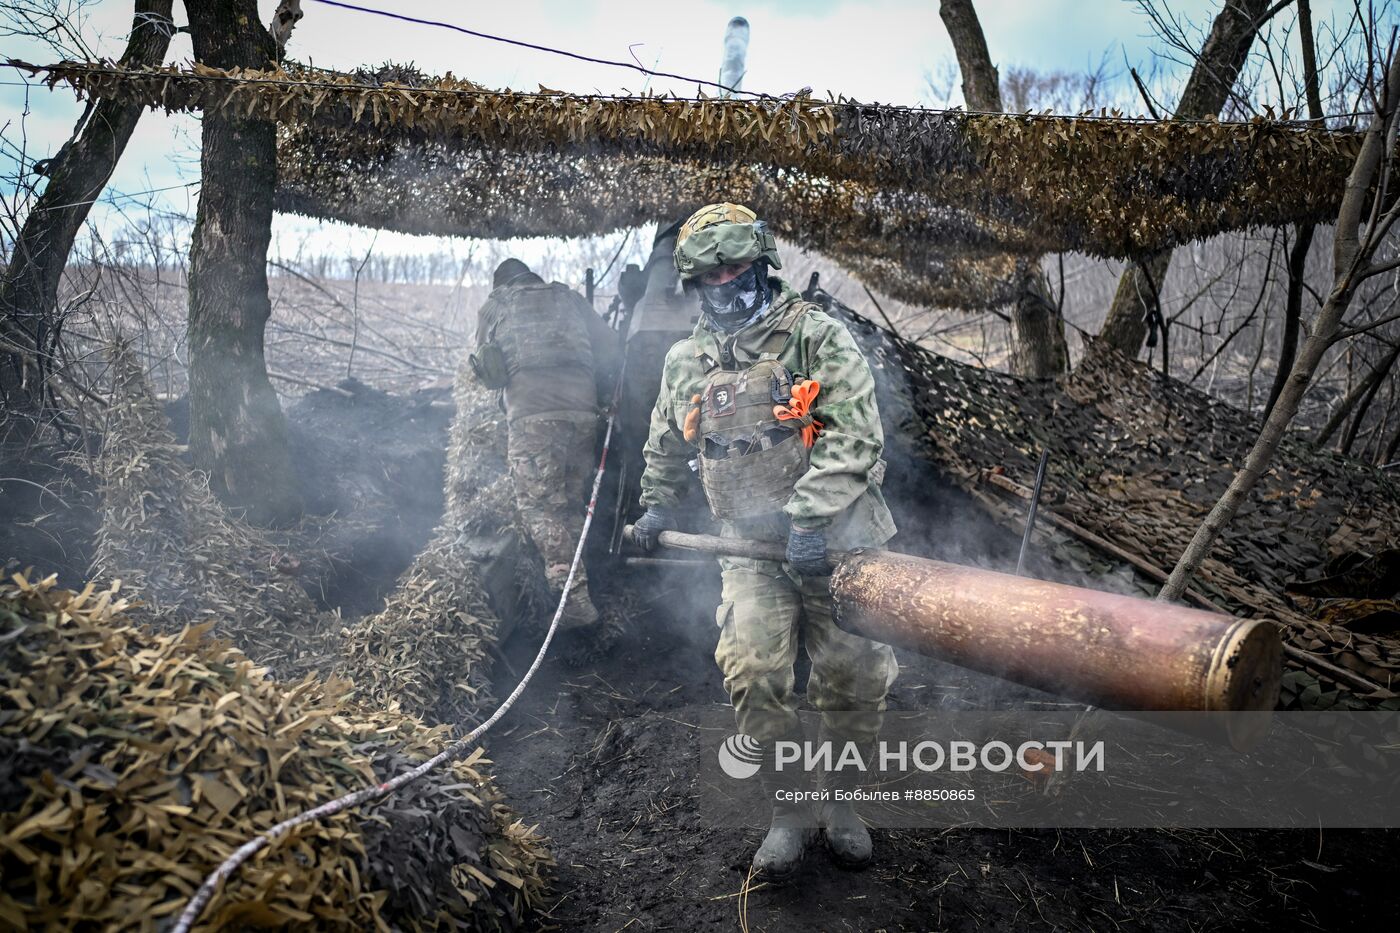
(601, 756)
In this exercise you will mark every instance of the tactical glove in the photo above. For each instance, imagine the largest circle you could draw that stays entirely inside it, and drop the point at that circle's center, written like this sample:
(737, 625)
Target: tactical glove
(806, 552)
(646, 532)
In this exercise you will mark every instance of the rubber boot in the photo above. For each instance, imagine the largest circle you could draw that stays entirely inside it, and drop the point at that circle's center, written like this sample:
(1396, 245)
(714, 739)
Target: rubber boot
(579, 612)
(847, 839)
(579, 629)
(791, 832)
(579, 647)
(793, 828)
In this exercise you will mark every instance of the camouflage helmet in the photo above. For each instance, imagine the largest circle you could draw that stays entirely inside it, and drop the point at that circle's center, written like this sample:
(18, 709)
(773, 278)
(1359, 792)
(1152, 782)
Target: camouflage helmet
(722, 234)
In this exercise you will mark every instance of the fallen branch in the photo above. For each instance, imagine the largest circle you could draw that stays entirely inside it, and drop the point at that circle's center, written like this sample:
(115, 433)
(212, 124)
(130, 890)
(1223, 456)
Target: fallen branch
(1335, 671)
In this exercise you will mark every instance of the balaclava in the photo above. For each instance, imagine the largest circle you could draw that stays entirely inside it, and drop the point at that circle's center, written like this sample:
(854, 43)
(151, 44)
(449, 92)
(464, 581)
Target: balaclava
(738, 302)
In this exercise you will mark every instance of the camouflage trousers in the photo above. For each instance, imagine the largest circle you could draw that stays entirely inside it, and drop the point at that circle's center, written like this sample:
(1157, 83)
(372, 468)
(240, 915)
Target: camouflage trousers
(551, 466)
(759, 616)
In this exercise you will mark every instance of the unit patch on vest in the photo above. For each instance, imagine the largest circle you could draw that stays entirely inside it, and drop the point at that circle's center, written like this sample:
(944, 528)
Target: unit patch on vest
(722, 400)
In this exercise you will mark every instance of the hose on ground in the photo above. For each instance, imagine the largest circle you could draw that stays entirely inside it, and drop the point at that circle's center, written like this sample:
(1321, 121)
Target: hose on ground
(219, 875)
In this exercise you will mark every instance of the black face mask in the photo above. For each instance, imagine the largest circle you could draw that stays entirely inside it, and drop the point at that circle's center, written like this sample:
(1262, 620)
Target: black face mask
(738, 301)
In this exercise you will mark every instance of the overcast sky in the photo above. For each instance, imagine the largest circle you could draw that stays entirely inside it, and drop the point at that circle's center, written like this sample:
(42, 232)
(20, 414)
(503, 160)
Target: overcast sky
(873, 51)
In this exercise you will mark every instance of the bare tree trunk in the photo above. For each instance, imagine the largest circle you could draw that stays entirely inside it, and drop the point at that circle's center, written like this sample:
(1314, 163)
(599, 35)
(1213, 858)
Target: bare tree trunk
(1390, 451)
(237, 430)
(1292, 313)
(1138, 289)
(1351, 259)
(1360, 417)
(284, 20)
(1039, 348)
(1376, 444)
(29, 325)
(1298, 255)
(1307, 39)
(1219, 64)
(980, 82)
(1348, 402)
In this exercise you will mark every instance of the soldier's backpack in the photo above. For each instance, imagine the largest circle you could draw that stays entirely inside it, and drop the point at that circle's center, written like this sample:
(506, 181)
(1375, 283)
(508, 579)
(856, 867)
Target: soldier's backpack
(537, 327)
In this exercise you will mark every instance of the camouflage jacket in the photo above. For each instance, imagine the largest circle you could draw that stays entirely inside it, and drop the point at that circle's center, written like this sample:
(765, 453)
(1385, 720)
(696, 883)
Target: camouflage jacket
(838, 491)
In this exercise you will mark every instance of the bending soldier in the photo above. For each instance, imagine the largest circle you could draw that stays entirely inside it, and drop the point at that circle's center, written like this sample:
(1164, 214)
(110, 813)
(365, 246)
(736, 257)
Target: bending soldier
(773, 400)
(554, 360)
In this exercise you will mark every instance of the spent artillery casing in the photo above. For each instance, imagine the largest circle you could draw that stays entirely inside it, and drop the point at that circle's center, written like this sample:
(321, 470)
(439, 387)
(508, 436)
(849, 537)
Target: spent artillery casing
(1116, 652)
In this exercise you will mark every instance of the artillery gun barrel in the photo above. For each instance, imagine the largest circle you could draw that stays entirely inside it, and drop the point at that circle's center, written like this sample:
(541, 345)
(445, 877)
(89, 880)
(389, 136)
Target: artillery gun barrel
(1116, 652)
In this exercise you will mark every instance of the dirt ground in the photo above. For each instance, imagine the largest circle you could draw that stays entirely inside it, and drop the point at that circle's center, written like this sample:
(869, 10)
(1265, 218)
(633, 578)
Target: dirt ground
(601, 756)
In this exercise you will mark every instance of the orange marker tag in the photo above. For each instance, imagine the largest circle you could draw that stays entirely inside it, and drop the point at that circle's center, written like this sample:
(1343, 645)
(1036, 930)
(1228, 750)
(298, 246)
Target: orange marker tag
(804, 395)
(691, 429)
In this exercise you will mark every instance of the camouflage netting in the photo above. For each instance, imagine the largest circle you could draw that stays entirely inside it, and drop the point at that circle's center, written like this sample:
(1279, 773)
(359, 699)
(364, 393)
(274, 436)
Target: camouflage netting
(895, 238)
(935, 202)
(1138, 461)
(428, 650)
(167, 538)
(132, 762)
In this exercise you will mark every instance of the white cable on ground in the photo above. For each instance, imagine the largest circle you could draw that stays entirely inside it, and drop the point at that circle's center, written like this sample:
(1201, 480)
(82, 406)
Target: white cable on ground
(231, 864)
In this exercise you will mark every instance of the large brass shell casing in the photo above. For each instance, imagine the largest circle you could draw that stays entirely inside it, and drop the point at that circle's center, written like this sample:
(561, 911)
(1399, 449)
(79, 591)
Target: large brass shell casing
(1119, 653)
(1116, 652)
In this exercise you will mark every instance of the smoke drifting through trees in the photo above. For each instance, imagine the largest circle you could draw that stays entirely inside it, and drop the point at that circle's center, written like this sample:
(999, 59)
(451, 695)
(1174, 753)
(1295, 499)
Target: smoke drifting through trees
(329, 321)
(1224, 299)
(237, 431)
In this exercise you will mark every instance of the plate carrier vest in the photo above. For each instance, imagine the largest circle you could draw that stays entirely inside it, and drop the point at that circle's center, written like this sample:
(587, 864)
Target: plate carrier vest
(749, 460)
(542, 330)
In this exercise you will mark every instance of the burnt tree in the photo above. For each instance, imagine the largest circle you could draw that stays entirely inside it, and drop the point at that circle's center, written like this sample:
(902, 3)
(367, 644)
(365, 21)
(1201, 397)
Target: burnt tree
(1222, 56)
(1039, 350)
(29, 321)
(237, 431)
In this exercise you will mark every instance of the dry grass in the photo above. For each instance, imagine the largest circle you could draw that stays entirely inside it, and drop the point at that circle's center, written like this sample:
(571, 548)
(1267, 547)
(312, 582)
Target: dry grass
(137, 761)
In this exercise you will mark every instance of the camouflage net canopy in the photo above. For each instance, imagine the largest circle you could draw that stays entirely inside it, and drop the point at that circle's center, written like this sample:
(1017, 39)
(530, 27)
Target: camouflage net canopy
(132, 763)
(1134, 467)
(943, 207)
